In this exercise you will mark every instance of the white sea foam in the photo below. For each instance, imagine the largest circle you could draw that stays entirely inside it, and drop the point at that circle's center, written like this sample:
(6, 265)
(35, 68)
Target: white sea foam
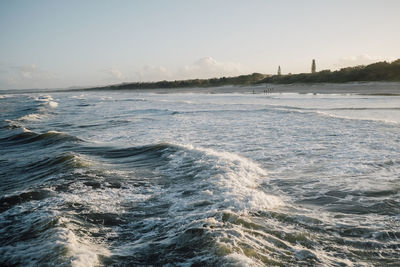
(355, 107)
(240, 260)
(42, 112)
(43, 98)
(13, 123)
(18, 125)
(391, 117)
(104, 200)
(82, 251)
(47, 101)
(26, 130)
(55, 132)
(52, 104)
(81, 97)
(227, 179)
(53, 246)
(31, 117)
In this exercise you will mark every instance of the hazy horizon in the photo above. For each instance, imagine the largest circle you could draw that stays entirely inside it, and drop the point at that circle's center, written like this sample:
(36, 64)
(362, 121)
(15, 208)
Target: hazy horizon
(50, 44)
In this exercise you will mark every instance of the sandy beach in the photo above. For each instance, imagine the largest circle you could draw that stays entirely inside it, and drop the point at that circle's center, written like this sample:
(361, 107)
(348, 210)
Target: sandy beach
(370, 88)
(367, 88)
(360, 88)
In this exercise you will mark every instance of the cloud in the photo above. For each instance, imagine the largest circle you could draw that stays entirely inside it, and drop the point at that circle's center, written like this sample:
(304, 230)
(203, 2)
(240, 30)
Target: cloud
(151, 73)
(203, 68)
(116, 73)
(28, 71)
(147, 73)
(32, 76)
(208, 67)
(24, 76)
(358, 60)
(113, 75)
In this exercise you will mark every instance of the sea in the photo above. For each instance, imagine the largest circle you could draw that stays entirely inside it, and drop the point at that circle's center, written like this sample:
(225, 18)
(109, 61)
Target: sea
(146, 178)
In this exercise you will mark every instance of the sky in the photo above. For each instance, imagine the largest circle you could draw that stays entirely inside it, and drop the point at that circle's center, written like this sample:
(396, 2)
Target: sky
(59, 44)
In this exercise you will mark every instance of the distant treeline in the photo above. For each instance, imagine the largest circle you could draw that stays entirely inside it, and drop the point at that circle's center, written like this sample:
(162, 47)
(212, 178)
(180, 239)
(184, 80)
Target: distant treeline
(213, 82)
(381, 71)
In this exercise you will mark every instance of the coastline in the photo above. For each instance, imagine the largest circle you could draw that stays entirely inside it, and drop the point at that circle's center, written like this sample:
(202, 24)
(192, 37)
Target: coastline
(359, 88)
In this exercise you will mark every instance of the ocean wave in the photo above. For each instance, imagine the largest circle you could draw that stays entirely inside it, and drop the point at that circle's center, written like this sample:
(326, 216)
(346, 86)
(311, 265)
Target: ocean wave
(5, 96)
(180, 191)
(225, 179)
(53, 232)
(37, 111)
(80, 97)
(43, 98)
(133, 100)
(377, 114)
(259, 188)
(21, 121)
(47, 138)
(374, 118)
(52, 104)
(31, 117)
(46, 237)
(47, 101)
(8, 201)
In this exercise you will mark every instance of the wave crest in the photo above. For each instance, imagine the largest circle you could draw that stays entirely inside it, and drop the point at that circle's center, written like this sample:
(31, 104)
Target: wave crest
(47, 138)
(225, 179)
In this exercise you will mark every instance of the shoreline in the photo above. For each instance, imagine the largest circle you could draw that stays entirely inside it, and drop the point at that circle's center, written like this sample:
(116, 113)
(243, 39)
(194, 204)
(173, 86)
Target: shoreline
(358, 88)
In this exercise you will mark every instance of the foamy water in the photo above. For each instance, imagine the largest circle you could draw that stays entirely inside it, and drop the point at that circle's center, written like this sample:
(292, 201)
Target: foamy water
(125, 179)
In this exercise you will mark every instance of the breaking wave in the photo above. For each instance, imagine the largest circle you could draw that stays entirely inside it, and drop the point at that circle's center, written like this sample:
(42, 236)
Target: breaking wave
(194, 184)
